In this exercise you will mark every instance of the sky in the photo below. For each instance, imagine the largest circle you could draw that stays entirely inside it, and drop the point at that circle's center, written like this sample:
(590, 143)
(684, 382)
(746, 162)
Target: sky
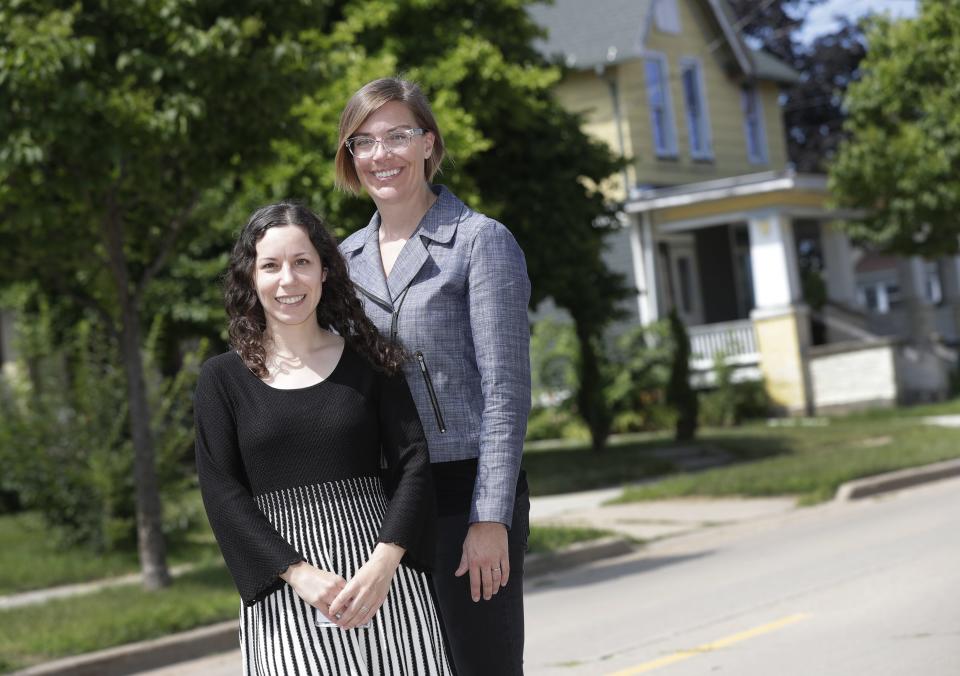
(821, 18)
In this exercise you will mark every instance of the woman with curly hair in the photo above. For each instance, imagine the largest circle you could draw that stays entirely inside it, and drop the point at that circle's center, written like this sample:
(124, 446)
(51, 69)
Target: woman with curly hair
(291, 427)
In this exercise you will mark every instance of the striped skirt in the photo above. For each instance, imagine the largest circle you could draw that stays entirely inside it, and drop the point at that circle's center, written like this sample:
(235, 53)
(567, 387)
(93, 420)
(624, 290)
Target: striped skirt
(334, 526)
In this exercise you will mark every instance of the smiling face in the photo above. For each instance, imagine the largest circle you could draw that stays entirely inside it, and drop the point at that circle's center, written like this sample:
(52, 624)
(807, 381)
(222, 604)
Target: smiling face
(288, 276)
(392, 177)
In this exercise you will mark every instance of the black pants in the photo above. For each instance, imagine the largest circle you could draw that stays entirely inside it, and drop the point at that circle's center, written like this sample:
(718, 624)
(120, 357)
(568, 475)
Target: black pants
(484, 638)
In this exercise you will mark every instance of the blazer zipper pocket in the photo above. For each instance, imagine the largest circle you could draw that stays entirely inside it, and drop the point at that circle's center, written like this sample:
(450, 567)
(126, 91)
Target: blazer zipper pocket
(422, 363)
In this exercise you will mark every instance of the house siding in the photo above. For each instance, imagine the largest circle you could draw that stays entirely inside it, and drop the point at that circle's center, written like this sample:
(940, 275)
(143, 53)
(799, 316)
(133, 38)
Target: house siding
(587, 92)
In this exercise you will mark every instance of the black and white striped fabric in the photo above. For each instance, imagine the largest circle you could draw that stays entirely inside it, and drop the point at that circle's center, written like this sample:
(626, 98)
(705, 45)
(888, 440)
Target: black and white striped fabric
(334, 526)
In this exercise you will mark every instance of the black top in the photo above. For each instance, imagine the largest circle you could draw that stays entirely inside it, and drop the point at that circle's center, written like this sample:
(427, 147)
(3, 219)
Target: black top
(254, 439)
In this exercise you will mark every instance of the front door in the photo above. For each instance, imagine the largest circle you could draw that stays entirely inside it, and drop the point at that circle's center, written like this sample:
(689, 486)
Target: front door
(679, 258)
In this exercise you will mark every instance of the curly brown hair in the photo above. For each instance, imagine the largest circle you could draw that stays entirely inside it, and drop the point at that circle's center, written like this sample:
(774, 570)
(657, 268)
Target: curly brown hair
(339, 310)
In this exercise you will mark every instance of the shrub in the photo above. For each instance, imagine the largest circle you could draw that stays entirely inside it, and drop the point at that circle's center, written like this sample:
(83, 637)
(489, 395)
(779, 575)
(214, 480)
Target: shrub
(64, 441)
(730, 403)
(680, 394)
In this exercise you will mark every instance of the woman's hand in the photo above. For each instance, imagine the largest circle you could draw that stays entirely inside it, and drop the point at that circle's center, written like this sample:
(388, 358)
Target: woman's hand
(367, 590)
(317, 587)
(486, 556)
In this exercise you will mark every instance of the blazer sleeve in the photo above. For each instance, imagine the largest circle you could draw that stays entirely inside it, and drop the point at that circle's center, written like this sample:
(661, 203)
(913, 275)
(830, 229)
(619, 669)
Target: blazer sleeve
(499, 293)
(411, 517)
(253, 550)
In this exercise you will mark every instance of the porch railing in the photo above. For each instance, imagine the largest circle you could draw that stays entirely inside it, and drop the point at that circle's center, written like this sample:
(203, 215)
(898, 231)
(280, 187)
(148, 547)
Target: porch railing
(736, 341)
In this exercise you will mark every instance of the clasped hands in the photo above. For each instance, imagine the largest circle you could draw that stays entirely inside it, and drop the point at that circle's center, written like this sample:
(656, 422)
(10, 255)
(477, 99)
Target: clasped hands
(347, 604)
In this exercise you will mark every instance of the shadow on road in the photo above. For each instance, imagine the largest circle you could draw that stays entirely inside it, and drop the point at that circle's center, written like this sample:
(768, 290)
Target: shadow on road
(597, 575)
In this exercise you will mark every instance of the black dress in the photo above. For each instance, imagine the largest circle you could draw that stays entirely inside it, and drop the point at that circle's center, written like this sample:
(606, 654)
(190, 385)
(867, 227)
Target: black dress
(292, 475)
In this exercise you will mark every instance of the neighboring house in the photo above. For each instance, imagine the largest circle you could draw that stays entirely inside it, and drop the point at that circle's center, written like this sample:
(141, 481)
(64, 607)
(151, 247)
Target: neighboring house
(719, 227)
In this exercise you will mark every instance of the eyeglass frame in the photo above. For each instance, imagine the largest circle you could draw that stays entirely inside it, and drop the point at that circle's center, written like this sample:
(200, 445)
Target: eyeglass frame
(410, 134)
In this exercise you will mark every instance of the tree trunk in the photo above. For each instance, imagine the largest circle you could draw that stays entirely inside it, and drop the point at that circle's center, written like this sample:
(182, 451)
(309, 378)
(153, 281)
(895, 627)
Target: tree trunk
(590, 398)
(150, 542)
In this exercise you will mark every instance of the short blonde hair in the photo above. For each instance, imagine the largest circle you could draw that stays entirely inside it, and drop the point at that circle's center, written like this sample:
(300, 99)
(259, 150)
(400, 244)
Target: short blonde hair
(370, 98)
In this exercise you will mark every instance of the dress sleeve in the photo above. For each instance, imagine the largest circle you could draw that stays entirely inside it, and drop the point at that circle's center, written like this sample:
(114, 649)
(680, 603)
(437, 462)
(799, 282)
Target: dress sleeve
(254, 551)
(411, 518)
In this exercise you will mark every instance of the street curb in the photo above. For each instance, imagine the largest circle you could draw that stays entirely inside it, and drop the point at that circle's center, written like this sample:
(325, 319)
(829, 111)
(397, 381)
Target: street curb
(144, 655)
(575, 555)
(133, 658)
(894, 481)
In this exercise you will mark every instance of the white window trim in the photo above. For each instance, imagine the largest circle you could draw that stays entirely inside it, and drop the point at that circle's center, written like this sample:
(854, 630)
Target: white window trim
(764, 156)
(666, 16)
(707, 152)
(670, 151)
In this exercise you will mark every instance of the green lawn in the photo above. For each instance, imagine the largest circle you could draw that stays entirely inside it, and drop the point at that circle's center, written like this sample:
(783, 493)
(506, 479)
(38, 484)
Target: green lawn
(30, 558)
(812, 461)
(113, 617)
(551, 538)
(564, 467)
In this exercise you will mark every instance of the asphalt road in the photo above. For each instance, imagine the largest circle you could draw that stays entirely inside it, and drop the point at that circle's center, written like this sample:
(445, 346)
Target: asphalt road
(843, 589)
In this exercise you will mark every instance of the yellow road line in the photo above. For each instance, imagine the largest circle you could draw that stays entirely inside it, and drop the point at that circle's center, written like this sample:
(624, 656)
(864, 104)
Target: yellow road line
(710, 647)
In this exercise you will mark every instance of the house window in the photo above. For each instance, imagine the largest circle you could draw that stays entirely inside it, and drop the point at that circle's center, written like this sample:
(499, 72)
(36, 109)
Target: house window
(698, 122)
(753, 125)
(879, 296)
(661, 116)
(666, 16)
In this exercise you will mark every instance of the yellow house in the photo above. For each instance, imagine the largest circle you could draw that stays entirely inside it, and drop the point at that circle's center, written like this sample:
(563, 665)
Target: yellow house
(715, 220)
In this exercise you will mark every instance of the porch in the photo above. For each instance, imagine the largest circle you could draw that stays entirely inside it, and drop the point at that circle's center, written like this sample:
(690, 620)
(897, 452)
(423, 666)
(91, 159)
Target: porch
(764, 280)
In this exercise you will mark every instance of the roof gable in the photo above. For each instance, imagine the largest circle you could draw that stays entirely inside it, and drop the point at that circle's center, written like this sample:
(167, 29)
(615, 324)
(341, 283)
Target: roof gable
(593, 35)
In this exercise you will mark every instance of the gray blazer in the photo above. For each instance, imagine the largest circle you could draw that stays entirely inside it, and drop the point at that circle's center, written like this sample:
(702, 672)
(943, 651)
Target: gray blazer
(457, 299)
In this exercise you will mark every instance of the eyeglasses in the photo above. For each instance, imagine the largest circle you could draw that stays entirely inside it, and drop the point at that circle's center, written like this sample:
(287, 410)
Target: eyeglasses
(366, 146)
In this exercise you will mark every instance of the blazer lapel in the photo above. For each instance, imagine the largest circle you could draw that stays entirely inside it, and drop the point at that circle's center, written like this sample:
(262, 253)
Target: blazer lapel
(367, 268)
(412, 257)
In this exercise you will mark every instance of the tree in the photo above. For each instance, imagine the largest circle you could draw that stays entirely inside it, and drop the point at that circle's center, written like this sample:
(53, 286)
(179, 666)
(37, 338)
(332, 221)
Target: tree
(117, 119)
(680, 394)
(901, 162)
(812, 108)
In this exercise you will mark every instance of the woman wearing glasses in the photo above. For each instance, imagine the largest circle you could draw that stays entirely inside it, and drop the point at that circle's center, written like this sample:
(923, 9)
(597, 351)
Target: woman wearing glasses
(451, 285)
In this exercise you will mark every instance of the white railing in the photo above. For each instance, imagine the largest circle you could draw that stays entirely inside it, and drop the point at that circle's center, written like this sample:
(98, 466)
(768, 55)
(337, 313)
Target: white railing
(736, 341)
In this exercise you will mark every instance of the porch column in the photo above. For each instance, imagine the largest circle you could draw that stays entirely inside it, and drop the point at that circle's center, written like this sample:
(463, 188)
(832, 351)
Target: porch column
(780, 319)
(920, 320)
(645, 268)
(838, 265)
(950, 277)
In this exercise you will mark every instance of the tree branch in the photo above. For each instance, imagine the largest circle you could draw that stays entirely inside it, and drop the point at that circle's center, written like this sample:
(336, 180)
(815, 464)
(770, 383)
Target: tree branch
(166, 246)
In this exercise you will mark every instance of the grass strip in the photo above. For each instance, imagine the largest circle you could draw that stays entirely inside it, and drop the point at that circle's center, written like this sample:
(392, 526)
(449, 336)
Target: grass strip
(32, 558)
(809, 462)
(115, 616)
(551, 538)
(565, 467)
